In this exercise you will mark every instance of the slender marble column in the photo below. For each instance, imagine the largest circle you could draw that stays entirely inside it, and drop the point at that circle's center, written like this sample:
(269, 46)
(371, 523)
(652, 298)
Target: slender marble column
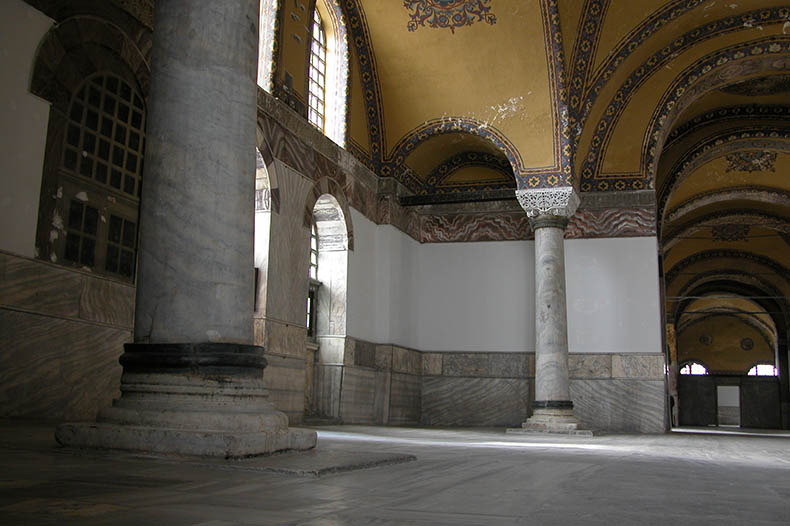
(549, 211)
(193, 381)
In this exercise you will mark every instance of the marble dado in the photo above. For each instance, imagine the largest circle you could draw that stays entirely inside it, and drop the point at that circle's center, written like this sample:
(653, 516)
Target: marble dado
(388, 384)
(69, 327)
(289, 138)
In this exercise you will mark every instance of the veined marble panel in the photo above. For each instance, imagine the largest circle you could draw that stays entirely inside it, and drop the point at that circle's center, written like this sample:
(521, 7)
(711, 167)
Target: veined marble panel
(384, 357)
(329, 378)
(487, 365)
(612, 222)
(357, 401)
(638, 366)
(405, 399)
(474, 401)
(284, 339)
(39, 287)
(590, 365)
(57, 368)
(284, 377)
(620, 405)
(364, 353)
(431, 364)
(107, 301)
(406, 360)
(474, 227)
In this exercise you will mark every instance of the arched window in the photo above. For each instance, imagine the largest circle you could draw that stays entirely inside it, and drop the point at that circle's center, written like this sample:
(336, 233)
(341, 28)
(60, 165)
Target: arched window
(763, 369)
(314, 285)
(317, 73)
(93, 214)
(693, 368)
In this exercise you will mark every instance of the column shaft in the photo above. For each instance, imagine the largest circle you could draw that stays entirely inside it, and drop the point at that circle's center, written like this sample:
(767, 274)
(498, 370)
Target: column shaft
(551, 326)
(195, 278)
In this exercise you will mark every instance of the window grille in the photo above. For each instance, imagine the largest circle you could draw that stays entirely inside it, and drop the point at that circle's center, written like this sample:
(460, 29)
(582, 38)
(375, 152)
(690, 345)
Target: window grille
(317, 73)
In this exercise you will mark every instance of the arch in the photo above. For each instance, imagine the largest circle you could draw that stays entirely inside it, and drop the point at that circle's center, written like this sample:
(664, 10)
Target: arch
(716, 146)
(327, 186)
(742, 216)
(758, 194)
(83, 45)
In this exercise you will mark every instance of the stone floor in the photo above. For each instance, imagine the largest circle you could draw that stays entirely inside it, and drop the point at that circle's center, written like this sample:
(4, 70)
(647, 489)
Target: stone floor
(368, 475)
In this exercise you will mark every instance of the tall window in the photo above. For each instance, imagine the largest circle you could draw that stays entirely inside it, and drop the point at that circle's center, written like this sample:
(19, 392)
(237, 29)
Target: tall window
(312, 292)
(317, 72)
(99, 178)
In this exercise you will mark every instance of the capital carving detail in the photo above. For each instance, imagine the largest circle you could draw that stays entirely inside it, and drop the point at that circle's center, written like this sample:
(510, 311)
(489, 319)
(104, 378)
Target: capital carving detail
(561, 202)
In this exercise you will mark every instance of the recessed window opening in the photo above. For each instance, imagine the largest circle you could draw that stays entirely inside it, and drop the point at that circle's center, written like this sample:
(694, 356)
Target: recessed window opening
(763, 369)
(693, 368)
(317, 73)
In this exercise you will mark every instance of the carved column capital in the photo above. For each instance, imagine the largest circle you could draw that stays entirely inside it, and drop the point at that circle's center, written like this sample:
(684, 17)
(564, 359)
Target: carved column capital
(561, 202)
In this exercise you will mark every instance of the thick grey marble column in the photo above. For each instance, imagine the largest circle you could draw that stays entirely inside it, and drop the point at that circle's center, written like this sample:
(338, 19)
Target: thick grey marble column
(193, 381)
(549, 211)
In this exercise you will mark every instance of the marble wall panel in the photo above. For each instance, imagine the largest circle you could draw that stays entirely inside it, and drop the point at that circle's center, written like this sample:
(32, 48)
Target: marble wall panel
(329, 379)
(107, 301)
(57, 368)
(590, 365)
(431, 364)
(332, 350)
(476, 227)
(474, 401)
(496, 365)
(612, 222)
(638, 366)
(283, 339)
(39, 287)
(358, 399)
(384, 357)
(405, 399)
(406, 360)
(364, 353)
(381, 400)
(620, 405)
(284, 377)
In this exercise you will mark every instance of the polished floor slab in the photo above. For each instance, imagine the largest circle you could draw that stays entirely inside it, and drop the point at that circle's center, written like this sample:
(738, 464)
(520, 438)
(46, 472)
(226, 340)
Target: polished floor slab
(459, 477)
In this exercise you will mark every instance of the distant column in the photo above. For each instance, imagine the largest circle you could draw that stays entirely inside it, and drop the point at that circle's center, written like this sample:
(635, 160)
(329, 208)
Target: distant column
(549, 211)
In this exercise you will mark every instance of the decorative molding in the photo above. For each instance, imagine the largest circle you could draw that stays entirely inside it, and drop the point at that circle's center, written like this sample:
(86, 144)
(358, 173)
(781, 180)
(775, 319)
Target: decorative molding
(759, 161)
(745, 217)
(760, 194)
(677, 268)
(449, 14)
(730, 232)
(734, 113)
(612, 222)
(760, 87)
(549, 201)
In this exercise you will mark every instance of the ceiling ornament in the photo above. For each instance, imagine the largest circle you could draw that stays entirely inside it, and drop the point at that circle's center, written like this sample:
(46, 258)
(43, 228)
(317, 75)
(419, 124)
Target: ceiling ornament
(751, 162)
(730, 232)
(761, 86)
(447, 13)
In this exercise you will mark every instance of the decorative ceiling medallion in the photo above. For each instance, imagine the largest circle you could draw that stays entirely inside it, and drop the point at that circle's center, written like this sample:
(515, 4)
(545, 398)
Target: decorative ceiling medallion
(447, 13)
(747, 344)
(761, 86)
(730, 232)
(751, 162)
(706, 339)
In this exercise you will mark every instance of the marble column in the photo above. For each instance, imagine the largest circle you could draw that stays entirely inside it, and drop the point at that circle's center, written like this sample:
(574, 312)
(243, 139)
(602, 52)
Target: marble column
(549, 211)
(192, 380)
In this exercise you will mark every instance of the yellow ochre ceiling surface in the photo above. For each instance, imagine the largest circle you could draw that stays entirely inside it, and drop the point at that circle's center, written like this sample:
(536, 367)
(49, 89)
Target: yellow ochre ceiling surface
(494, 73)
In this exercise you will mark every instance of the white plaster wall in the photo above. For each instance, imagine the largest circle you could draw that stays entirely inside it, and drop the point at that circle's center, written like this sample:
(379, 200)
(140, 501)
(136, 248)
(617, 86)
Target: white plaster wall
(23, 126)
(613, 295)
(480, 296)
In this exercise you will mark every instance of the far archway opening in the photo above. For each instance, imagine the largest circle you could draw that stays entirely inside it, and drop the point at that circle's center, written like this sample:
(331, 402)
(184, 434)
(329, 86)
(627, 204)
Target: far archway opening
(326, 304)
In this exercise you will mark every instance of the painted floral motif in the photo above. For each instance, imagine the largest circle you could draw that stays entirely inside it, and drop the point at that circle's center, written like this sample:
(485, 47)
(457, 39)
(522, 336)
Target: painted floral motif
(730, 232)
(447, 13)
(751, 162)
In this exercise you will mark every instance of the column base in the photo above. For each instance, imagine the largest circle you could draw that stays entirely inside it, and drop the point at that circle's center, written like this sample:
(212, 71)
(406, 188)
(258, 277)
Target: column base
(182, 441)
(554, 418)
(206, 399)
